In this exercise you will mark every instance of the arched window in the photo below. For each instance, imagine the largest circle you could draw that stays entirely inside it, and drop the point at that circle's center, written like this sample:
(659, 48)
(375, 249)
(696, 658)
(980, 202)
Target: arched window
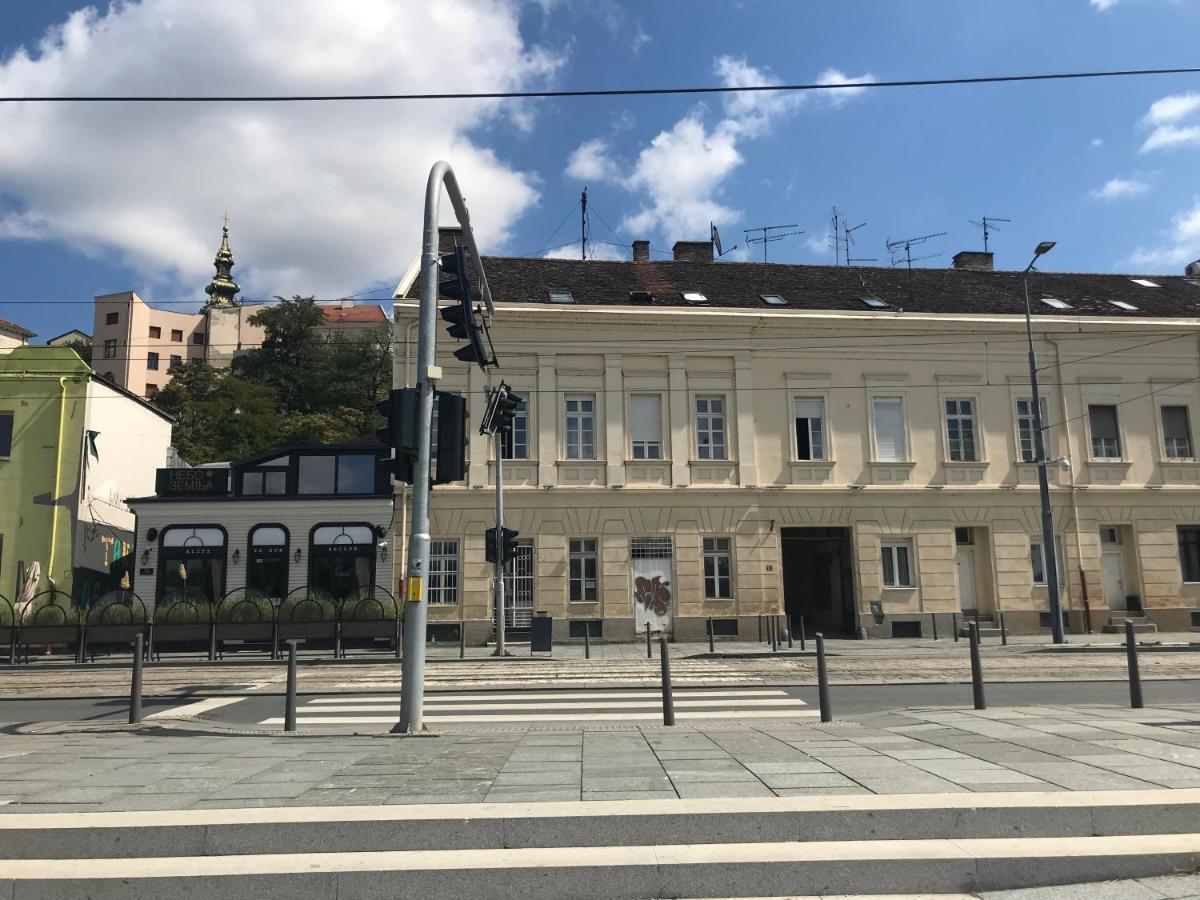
(267, 561)
(191, 562)
(341, 559)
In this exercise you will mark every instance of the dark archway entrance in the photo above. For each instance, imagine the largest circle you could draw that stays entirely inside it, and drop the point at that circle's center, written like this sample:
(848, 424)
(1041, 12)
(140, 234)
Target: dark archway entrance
(818, 579)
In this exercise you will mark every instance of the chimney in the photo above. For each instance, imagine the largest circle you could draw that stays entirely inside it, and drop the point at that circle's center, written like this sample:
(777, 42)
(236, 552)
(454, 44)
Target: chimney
(693, 251)
(1193, 269)
(980, 260)
(641, 251)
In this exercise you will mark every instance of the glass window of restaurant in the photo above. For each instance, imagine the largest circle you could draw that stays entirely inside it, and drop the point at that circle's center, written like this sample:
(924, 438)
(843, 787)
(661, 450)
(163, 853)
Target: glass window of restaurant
(191, 563)
(341, 560)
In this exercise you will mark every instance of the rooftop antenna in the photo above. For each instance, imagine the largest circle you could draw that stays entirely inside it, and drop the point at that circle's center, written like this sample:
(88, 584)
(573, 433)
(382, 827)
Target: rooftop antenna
(849, 241)
(835, 236)
(715, 237)
(988, 224)
(770, 233)
(906, 244)
(585, 230)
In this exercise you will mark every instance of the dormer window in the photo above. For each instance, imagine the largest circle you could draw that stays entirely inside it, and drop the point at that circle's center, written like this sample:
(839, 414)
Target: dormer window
(1121, 304)
(1145, 282)
(642, 297)
(1055, 303)
(874, 302)
(562, 297)
(773, 300)
(695, 299)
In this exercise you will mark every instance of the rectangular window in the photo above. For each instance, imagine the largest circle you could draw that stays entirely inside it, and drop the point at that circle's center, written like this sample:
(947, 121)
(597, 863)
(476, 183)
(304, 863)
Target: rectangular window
(890, 444)
(809, 414)
(580, 427)
(1189, 551)
(897, 563)
(645, 426)
(1106, 442)
(151, 390)
(317, 474)
(152, 362)
(155, 332)
(176, 361)
(514, 443)
(356, 473)
(111, 318)
(718, 567)
(960, 430)
(6, 433)
(443, 572)
(198, 337)
(177, 335)
(196, 361)
(1177, 432)
(110, 348)
(1037, 561)
(710, 428)
(581, 577)
(1027, 428)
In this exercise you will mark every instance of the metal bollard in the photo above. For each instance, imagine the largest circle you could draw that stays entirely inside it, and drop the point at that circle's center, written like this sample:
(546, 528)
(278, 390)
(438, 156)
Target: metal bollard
(933, 622)
(976, 666)
(802, 647)
(668, 702)
(462, 640)
(787, 621)
(289, 709)
(135, 687)
(771, 634)
(1003, 632)
(760, 637)
(649, 653)
(712, 647)
(823, 680)
(1135, 678)
(954, 625)
(212, 641)
(587, 640)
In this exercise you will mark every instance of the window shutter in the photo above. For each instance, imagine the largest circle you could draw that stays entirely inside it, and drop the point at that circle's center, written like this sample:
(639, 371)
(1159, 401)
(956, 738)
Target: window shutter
(889, 430)
(809, 408)
(1175, 423)
(1104, 422)
(645, 418)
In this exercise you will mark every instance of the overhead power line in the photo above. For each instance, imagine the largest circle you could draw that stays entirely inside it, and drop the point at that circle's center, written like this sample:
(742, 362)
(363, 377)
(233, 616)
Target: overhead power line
(591, 92)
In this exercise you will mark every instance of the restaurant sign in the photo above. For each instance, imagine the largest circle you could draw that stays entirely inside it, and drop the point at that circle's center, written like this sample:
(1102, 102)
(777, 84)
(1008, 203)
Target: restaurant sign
(191, 482)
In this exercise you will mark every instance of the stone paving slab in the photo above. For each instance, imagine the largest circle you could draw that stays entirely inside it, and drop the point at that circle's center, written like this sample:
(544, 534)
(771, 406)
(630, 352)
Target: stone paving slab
(933, 750)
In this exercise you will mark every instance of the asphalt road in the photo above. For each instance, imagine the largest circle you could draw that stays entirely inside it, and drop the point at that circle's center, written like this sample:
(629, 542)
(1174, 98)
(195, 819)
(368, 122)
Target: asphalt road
(634, 706)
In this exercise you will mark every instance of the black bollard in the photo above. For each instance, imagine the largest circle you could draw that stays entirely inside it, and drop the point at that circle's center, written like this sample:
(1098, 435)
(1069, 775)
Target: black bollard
(1003, 632)
(760, 637)
(649, 653)
(135, 687)
(587, 640)
(212, 641)
(289, 709)
(462, 640)
(976, 666)
(802, 647)
(771, 636)
(787, 621)
(712, 647)
(1135, 678)
(823, 680)
(954, 625)
(933, 622)
(668, 703)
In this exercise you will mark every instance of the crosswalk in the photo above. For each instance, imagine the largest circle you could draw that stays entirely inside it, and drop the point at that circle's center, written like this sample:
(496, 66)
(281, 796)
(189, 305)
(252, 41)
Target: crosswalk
(508, 707)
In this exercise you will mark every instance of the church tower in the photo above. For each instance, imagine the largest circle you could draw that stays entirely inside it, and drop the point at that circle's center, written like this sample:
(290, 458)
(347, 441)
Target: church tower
(222, 290)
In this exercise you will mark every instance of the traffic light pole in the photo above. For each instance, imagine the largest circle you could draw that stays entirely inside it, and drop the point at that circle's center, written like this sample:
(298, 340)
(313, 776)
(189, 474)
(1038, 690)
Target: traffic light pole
(412, 686)
(498, 565)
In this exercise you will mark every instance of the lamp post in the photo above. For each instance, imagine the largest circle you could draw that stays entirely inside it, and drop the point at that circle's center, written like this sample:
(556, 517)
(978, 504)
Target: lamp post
(1049, 550)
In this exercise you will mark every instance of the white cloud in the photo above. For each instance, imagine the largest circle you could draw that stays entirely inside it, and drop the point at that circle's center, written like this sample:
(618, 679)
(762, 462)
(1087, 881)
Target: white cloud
(603, 252)
(1103, 5)
(752, 111)
(839, 96)
(639, 40)
(1168, 136)
(324, 197)
(1182, 243)
(1172, 108)
(1165, 114)
(1097, 142)
(818, 244)
(590, 161)
(1121, 187)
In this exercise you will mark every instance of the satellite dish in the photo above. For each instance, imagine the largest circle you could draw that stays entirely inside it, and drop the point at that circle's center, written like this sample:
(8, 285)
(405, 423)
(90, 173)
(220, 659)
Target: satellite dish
(716, 238)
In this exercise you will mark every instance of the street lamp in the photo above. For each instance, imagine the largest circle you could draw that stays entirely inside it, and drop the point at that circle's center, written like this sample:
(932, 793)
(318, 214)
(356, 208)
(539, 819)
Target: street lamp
(1049, 550)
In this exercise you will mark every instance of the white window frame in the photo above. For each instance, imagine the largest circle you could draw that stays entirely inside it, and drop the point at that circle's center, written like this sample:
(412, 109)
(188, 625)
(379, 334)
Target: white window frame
(1162, 431)
(110, 348)
(823, 451)
(582, 554)
(718, 452)
(971, 420)
(647, 447)
(445, 584)
(889, 549)
(575, 434)
(1091, 438)
(1035, 544)
(717, 547)
(508, 443)
(905, 456)
(1017, 417)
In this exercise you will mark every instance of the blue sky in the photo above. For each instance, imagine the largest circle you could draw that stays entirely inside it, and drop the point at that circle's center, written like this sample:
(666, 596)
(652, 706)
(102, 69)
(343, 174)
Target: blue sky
(327, 201)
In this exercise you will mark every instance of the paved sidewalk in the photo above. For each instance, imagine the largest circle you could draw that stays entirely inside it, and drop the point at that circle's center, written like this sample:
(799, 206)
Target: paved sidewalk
(929, 750)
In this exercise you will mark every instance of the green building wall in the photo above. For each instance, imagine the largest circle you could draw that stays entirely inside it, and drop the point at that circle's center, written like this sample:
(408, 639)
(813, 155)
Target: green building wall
(45, 389)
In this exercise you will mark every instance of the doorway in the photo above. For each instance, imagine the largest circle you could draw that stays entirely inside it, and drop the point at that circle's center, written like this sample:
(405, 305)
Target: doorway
(973, 571)
(518, 593)
(1119, 568)
(818, 579)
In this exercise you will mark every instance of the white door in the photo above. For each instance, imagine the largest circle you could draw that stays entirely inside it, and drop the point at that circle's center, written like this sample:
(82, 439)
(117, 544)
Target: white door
(653, 603)
(1113, 567)
(966, 578)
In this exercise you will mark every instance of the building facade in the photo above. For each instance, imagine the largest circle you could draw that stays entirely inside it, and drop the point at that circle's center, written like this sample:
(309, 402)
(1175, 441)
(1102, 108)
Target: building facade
(706, 440)
(73, 448)
(13, 335)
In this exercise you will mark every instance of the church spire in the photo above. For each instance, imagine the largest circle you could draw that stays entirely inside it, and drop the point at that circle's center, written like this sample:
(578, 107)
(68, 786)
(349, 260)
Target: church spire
(222, 289)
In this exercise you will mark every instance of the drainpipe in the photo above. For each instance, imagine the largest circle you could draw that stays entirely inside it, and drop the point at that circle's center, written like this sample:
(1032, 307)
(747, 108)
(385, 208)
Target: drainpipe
(1062, 399)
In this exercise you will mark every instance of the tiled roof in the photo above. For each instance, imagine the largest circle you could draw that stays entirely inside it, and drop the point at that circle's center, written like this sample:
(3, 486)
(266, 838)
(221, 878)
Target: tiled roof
(14, 328)
(805, 287)
(336, 314)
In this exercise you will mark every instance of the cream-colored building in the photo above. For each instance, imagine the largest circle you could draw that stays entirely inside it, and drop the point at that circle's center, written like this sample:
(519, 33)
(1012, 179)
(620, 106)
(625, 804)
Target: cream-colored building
(13, 335)
(838, 443)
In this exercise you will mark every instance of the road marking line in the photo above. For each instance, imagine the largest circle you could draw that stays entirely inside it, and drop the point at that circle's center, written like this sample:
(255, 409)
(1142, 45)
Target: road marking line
(194, 709)
(556, 695)
(535, 705)
(556, 717)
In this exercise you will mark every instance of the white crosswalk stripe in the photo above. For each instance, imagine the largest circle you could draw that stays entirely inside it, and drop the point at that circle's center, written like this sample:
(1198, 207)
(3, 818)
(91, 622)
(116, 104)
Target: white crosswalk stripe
(506, 707)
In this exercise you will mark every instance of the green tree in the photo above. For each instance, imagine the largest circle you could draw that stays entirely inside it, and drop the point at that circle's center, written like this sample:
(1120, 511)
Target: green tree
(82, 348)
(219, 415)
(292, 356)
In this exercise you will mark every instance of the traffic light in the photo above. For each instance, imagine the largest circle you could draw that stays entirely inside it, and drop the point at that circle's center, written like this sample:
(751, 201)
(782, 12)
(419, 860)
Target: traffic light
(461, 317)
(502, 408)
(452, 447)
(399, 434)
(449, 442)
(508, 545)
